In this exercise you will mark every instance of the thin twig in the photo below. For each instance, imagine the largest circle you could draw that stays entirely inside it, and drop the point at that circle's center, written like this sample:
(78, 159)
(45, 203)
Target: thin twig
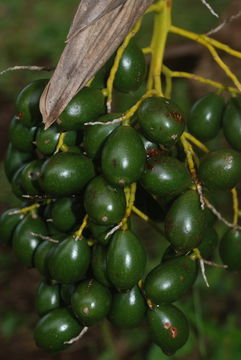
(211, 263)
(81, 334)
(105, 123)
(224, 23)
(42, 237)
(24, 67)
(201, 262)
(114, 229)
(212, 11)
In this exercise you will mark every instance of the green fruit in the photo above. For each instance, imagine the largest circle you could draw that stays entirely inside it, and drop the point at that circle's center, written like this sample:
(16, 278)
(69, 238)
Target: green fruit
(8, 224)
(232, 123)
(171, 280)
(47, 140)
(209, 243)
(126, 260)
(205, 117)
(164, 175)
(230, 249)
(47, 298)
(123, 157)
(27, 103)
(69, 260)
(41, 256)
(132, 69)
(30, 177)
(95, 135)
(98, 265)
(169, 328)
(55, 328)
(16, 183)
(147, 204)
(161, 120)
(91, 302)
(25, 241)
(220, 169)
(14, 159)
(122, 102)
(66, 174)
(128, 309)
(104, 204)
(66, 292)
(21, 136)
(69, 209)
(99, 233)
(87, 105)
(185, 221)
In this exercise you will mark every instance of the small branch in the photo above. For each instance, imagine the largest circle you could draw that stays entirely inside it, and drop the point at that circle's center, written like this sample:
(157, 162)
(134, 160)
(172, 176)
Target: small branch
(211, 263)
(201, 262)
(114, 229)
(224, 23)
(81, 334)
(23, 67)
(42, 237)
(212, 11)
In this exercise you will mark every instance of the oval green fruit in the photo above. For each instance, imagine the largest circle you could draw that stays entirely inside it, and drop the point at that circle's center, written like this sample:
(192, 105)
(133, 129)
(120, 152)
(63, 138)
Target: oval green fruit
(55, 329)
(14, 159)
(123, 157)
(205, 117)
(66, 213)
(41, 255)
(169, 327)
(98, 265)
(126, 260)
(220, 169)
(104, 203)
(8, 224)
(164, 175)
(230, 249)
(91, 302)
(185, 221)
(21, 136)
(128, 309)
(66, 174)
(170, 280)
(47, 140)
(30, 177)
(209, 243)
(232, 123)
(161, 120)
(47, 298)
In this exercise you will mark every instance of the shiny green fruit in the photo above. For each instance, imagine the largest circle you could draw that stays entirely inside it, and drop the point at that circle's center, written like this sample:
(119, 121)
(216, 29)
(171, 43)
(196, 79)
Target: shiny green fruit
(232, 123)
(205, 117)
(14, 159)
(170, 280)
(91, 302)
(164, 175)
(95, 135)
(169, 328)
(98, 265)
(230, 249)
(27, 103)
(66, 213)
(161, 120)
(132, 69)
(209, 243)
(126, 260)
(220, 169)
(185, 221)
(21, 136)
(66, 174)
(16, 183)
(123, 157)
(104, 203)
(8, 224)
(47, 298)
(30, 177)
(41, 256)
(25, 240)
(69, 261)
(87, 105)
(128, 309)
(55, 329)
(47, 140)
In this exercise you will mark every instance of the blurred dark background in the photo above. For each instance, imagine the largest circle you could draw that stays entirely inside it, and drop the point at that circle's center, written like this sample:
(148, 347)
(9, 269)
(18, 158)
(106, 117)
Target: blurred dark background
(33, 33)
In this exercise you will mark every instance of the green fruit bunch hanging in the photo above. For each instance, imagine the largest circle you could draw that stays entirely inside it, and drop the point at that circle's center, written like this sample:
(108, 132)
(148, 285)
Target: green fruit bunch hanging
(81, 180)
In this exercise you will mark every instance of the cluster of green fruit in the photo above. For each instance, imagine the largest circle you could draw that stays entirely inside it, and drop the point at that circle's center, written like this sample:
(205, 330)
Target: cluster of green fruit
(94, 272)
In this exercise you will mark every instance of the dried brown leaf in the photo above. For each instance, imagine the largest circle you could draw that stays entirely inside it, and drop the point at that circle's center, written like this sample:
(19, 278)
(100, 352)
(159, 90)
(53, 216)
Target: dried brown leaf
(88, 47)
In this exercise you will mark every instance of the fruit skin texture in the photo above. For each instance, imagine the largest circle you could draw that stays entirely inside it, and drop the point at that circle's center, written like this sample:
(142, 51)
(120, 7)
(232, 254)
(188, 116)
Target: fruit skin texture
(8, 224)
(30, 177)
(95, 135)
(14, 159)
(91, 302)
(104, 204)
(27, 103)
(66, 174)
(98, 265)
(54, 329)
(205, 117)
(132, 69)
(47, 140)
(161, 120)
(21, 136)
(69, 261)
(169, 327)
(47, 298)
(86, 106)
(126, 260)
(185, 221)
(69, 209)
(164, 175)
(232, 123)
(169, 281)
(128, 309)
(220, 169)
(24, 243)
(123, 167)
(41, 257)
(230, 249)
